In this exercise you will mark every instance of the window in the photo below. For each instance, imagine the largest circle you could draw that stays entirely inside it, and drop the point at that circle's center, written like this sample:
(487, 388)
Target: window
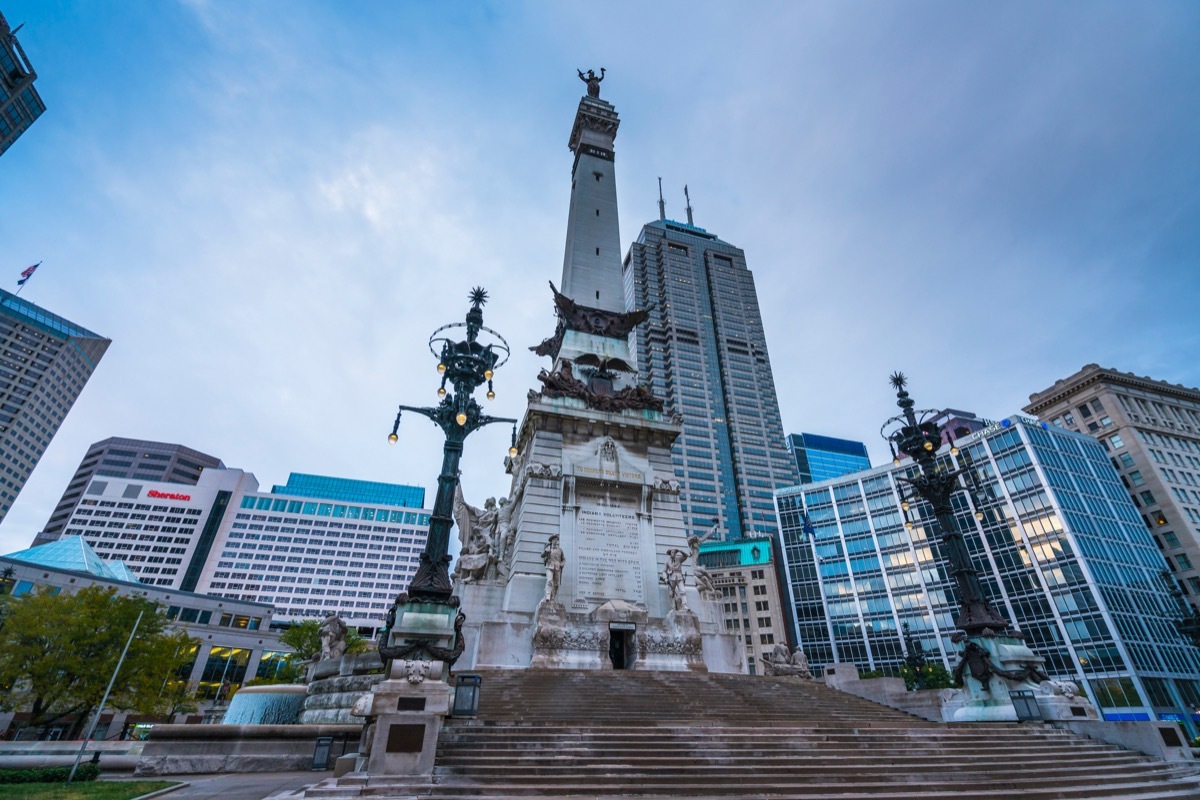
(1068, 418)
(1148, 497)
(1085, 411)
(1116, 442)
(1136, 478)
(1171, 539)
(1183, 561)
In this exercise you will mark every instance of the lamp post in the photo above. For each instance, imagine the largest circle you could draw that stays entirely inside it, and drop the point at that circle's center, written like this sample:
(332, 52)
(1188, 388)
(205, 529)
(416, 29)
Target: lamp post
(464, 366)
(916, 435)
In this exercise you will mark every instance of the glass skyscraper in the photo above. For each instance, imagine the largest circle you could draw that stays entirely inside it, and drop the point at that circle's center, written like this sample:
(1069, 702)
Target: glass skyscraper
(20, 103)
(1061, 550)
(704, 352)
(820, 458)
(45, 360)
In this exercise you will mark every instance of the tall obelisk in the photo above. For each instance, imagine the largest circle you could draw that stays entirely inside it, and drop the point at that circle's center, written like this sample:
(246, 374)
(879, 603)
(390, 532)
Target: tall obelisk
(592, 565)
(592, 261)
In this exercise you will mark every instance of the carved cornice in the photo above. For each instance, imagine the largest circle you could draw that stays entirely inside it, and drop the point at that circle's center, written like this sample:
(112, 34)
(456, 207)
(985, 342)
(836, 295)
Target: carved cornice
(1093, 374)
(594, 115)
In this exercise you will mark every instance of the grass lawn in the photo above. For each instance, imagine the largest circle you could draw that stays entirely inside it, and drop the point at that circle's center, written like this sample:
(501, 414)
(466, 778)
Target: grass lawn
(95, 790)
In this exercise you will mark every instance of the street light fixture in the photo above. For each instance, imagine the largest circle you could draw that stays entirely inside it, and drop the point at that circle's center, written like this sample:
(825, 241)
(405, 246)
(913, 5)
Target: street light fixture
(465, 366)
(913, 433)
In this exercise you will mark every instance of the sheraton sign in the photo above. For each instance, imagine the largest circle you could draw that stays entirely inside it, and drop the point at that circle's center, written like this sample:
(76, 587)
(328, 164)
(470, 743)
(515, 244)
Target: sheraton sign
(168, 495)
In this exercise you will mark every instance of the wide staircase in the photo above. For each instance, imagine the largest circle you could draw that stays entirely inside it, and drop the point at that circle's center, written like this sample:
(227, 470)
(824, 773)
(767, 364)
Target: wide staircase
(588, 734)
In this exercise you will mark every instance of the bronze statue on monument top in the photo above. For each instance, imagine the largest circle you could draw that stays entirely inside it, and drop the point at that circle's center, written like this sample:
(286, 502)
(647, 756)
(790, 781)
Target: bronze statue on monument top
(592, 80)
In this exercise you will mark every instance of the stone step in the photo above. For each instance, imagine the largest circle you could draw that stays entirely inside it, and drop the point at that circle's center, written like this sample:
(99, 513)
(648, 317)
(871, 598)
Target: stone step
(652, 736)
(1144, 790)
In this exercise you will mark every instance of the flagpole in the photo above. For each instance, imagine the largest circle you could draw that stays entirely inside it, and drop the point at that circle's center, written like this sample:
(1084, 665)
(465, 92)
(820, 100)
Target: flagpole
(21, 283)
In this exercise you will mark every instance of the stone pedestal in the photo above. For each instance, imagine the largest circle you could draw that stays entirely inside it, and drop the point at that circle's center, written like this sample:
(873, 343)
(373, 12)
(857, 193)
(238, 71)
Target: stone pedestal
(405, 710)
(1005, 664)
(602, 482)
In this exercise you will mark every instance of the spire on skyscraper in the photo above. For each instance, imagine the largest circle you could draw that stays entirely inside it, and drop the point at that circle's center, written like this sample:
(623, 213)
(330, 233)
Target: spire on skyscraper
(662, 205)
(689, 205)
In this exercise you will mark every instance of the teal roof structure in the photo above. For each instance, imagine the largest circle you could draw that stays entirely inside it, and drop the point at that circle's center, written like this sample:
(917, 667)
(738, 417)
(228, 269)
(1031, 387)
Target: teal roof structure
(121, 571)
(73, 553)
(41, 318)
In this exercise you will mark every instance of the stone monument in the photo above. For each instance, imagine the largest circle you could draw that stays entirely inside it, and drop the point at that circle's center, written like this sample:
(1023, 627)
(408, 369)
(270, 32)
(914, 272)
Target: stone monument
(588, 564)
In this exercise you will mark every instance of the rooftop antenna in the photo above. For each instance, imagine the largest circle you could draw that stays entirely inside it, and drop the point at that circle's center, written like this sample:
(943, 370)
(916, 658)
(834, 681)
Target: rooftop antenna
(689, 205)
(662, 206)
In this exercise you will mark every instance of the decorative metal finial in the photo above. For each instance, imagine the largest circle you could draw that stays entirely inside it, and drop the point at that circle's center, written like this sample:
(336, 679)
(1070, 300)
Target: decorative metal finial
(898, 380)
(478, 296)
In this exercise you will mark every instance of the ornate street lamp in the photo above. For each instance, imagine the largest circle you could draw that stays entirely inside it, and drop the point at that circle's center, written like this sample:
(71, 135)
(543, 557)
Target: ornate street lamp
(465, 366)
(1002, 678)
(916, 435)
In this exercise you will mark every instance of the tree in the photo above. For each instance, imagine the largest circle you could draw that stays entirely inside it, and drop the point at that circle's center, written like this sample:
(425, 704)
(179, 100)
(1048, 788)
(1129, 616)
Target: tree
(58, 652)
(305, 640)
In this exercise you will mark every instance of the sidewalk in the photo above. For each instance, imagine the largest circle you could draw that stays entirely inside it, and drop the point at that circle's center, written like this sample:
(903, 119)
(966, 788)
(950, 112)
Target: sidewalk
(238, 785)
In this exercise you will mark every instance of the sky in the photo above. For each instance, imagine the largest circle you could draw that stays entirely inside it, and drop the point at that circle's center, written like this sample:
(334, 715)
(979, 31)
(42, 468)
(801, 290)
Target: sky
(269, 206)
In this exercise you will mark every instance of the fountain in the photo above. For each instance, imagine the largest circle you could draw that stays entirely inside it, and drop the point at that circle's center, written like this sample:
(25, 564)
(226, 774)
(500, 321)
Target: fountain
(278, 704)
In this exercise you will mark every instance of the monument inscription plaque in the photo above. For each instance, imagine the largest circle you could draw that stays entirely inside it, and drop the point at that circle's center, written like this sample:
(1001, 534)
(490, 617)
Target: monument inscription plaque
(608, 547)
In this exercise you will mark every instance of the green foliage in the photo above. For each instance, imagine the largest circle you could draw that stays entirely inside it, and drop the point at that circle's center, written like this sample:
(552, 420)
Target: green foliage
(86, 772)
(305, 640)
(933, 675)
(291, 671)
(99, 790)
(58, 652)
(877, 673)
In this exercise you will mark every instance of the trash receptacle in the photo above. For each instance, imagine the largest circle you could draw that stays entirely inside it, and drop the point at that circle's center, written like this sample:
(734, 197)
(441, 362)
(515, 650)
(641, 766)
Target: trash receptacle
(466, 695)
(321, 753)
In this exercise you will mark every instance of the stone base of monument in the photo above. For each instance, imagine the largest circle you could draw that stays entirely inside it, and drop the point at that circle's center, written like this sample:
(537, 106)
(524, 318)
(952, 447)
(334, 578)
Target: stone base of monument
(549, 636)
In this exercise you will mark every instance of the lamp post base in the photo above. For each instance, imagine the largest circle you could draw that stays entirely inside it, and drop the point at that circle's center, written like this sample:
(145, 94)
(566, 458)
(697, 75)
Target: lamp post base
(1003, 681)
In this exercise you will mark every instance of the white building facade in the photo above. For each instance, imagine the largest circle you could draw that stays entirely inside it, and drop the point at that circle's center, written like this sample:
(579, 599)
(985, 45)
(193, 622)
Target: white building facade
(312, 546)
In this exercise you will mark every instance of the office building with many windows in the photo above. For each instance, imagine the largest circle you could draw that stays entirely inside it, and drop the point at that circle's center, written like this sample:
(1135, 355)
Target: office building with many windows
(1151, 430)
(20, 103)
(136, 459)
(163, 530)
(1061, 551)
(703, 350)
(45, 360)
(820, 458)
(743, 571)
(318, 545)
(351, 552)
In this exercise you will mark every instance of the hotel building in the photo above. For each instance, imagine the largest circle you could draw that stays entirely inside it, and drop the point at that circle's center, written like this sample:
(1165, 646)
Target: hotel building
(136, 459)
(311, 546)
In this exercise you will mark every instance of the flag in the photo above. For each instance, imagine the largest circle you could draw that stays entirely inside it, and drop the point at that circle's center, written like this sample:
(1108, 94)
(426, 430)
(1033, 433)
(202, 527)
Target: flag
(807, 528)
(27, 273)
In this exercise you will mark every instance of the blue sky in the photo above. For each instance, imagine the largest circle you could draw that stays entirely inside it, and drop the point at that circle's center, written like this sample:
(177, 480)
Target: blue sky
(261, 203)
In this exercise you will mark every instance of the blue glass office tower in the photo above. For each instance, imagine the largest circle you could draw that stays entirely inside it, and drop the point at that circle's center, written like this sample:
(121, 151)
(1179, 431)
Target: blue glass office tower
(1061, 551)
(820, 458)
(704, 352)
(20, 103)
